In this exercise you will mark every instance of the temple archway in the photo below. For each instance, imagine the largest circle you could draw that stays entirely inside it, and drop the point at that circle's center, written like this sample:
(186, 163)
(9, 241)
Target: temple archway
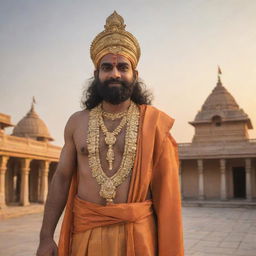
(34, 181)
(239, 182)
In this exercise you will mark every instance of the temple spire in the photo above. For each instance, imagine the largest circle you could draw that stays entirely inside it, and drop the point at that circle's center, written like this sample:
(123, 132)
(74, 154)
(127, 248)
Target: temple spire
(219, 75)
(33, 104)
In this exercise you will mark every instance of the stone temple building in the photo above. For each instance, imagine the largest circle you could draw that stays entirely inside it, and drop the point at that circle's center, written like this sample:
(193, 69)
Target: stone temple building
(27, 160)
(220, 162)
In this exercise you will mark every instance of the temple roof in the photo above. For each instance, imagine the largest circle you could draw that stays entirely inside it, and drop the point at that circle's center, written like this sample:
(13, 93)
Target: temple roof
(221, 103)
(5, 120)
(31, 126)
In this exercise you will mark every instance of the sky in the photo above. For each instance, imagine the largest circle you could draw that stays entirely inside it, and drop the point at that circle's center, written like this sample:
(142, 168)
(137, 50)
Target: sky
(44, 52)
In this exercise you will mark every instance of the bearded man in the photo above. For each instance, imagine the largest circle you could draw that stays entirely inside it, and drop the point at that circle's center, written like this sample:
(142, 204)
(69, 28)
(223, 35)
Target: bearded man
(118, 170)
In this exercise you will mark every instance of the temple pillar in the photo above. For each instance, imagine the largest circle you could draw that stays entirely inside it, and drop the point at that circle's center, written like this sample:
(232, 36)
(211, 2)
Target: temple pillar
(248, 171)
(24, 193)
(200, 179)
(223, 180)
(44, 170)
(3, 168)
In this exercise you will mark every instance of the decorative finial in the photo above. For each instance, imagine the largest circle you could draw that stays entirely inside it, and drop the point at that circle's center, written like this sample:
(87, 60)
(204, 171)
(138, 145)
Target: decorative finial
(114, 22)
(32, 112)
(33, 103)
(219, 75)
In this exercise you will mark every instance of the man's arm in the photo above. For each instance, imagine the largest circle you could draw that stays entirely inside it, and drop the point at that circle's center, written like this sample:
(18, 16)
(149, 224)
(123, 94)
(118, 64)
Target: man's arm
(58, 192)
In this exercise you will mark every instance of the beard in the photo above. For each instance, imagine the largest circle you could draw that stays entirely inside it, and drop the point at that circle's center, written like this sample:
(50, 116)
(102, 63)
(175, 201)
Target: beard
(113, 94)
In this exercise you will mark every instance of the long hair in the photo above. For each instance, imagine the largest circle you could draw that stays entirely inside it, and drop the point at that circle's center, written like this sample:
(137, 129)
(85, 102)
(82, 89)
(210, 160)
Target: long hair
(91, 97)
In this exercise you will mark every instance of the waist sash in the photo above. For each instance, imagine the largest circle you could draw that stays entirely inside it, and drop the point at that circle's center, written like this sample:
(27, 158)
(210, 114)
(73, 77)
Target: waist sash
(89, 215)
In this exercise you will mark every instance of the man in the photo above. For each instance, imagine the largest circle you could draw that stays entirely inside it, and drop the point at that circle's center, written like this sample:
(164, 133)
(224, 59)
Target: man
(121, 163)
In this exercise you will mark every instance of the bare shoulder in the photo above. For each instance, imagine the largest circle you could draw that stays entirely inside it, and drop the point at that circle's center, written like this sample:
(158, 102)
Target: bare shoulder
(77, 117)
(75, 121)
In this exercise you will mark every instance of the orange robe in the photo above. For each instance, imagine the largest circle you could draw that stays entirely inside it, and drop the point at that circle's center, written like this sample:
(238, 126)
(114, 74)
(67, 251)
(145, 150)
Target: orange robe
(155, 167)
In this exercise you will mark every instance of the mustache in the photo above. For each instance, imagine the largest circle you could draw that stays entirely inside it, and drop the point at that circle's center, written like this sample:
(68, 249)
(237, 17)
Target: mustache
(116, 81)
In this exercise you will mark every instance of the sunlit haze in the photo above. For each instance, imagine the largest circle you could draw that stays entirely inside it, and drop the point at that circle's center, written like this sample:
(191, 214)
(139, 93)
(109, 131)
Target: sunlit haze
(44, 52)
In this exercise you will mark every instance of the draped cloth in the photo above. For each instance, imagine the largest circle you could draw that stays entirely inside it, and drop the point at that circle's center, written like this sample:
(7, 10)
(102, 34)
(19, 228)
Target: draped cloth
(155, 168)
(109, 239)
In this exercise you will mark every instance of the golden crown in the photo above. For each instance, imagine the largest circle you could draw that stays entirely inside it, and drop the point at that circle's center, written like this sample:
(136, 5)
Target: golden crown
(115, 39)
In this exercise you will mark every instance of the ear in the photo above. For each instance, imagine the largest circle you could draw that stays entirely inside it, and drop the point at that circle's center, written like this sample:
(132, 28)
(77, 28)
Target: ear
(96, 73)
(136, 74)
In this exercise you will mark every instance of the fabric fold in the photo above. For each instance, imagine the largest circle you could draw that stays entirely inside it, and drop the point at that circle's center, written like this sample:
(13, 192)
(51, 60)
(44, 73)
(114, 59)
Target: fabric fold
(89, 215)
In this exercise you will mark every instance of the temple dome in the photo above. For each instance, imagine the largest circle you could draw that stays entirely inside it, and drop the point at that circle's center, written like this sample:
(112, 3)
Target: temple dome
(31, 126)
(220, 103)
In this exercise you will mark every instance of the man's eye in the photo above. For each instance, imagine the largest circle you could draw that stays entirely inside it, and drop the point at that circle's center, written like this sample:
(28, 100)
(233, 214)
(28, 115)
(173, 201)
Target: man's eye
(106, 68)
(123, 68)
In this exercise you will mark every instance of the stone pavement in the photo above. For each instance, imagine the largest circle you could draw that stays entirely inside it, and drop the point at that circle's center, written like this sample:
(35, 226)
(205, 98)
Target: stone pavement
(219, 231)
(207, 231)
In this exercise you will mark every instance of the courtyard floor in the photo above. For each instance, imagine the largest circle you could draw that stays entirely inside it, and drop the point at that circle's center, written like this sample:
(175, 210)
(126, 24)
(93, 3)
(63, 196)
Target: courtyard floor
(207, 231)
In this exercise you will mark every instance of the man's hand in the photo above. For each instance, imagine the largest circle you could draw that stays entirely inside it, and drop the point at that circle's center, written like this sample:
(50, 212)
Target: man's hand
(47, 248)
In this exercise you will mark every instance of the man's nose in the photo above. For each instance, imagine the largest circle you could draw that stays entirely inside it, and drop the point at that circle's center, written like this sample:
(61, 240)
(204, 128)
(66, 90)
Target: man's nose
(115, 73)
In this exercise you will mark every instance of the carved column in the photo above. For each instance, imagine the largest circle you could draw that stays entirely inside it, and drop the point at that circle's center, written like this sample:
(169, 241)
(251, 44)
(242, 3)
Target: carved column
(180, 178)
(223, 180)
(248, 171)
(3, 168)
(24, 193)
(200, 179)
(44, 170)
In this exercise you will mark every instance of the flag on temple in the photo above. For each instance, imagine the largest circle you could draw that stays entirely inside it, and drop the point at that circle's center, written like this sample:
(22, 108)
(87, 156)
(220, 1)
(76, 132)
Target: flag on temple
(219, 70)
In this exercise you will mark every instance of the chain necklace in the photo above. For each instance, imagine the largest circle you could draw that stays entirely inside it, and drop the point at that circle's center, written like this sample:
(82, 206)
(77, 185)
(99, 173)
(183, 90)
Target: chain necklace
(110, 138)
(113, 116)
(109, 184)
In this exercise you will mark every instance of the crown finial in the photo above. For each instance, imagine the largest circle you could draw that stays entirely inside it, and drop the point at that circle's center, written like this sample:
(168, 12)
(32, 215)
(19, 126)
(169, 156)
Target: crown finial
(114, 22)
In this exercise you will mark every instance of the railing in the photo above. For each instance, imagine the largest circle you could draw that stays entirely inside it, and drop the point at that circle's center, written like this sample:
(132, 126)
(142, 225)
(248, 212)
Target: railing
(227, 142)
(228, 148)
(14, 144)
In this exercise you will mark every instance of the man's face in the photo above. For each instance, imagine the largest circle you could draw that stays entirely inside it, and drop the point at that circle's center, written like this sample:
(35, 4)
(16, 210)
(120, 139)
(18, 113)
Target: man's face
(115, 78)
(115, 67)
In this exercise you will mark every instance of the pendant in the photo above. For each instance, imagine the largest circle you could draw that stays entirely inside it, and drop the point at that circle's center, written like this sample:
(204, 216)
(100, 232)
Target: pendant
(108, 191)
(110, 139)
(110, 157)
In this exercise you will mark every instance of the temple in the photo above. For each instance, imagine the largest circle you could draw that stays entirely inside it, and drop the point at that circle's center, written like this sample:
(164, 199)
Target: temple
(27, 160)
(219, 164)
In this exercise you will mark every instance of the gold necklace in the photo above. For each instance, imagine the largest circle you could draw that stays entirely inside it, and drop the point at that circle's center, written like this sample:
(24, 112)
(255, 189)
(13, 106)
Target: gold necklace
(114, 116)
(110, 138)
(109, 184)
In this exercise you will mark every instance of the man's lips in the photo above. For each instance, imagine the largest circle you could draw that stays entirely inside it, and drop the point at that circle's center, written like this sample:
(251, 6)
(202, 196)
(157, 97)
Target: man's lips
(114, 84)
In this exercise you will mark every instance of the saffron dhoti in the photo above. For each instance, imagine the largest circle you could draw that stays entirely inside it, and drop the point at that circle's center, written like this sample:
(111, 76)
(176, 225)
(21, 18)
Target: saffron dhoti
(104, 230)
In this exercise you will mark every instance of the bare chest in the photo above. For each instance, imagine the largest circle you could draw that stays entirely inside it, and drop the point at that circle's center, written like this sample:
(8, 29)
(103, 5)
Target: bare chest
(80, 138)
